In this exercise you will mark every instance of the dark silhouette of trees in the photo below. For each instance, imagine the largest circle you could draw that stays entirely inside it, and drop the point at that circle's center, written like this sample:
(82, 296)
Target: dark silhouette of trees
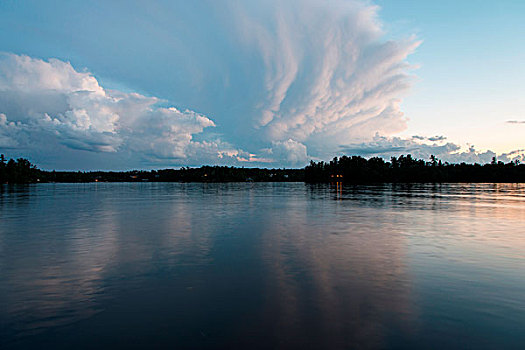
(184, 174)
(357, 169)
(349, 169)
(17, 171)
(22, 171)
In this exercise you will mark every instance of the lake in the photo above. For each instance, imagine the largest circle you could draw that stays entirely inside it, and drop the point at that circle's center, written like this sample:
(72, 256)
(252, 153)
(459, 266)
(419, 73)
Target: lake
(262, 265)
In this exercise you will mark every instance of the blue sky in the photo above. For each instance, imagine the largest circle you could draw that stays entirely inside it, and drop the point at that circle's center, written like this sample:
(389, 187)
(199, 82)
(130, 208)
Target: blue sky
(470, 80)
(120, 84)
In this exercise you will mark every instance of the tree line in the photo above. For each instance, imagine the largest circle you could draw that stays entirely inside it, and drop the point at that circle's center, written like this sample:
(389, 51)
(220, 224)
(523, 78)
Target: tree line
(17, 171)
(22, 171)
(404, 168)
(354, 169)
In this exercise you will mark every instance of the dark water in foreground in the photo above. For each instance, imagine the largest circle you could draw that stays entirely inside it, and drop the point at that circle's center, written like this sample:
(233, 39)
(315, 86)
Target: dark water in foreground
(262, 266)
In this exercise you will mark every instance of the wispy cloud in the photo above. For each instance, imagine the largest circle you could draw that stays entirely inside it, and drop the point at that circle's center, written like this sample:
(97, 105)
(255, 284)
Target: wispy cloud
(329, 75)
(515, 121)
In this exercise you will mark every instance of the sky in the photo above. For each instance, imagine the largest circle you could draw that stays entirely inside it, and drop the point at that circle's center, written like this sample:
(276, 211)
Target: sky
(117, 85)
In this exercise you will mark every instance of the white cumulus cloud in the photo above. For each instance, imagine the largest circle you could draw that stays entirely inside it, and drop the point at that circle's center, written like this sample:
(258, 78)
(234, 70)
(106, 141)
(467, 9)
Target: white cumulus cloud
(50, 100)
(289, 151)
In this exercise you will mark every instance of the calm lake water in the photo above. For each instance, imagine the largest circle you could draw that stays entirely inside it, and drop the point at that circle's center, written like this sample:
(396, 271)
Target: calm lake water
(271, 265)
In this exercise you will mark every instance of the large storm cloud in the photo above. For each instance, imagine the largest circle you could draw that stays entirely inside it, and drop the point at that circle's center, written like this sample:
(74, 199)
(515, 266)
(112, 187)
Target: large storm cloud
(260, 83)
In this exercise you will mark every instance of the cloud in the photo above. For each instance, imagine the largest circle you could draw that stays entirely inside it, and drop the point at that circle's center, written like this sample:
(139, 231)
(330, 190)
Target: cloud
(292, 152)
(515, 121)
(437, 138)
(8, 132)
(43, 101)
(516, 155)
(431, 138)
(280, 82)
(329, 75)
(418, 137)
(165, 132)
(386, 147)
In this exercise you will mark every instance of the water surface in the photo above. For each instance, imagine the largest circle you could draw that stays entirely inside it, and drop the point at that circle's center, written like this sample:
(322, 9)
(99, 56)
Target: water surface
(262, 265)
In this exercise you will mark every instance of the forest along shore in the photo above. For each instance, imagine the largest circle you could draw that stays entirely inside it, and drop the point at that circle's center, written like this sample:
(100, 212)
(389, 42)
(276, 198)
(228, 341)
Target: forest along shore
(354, 169)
